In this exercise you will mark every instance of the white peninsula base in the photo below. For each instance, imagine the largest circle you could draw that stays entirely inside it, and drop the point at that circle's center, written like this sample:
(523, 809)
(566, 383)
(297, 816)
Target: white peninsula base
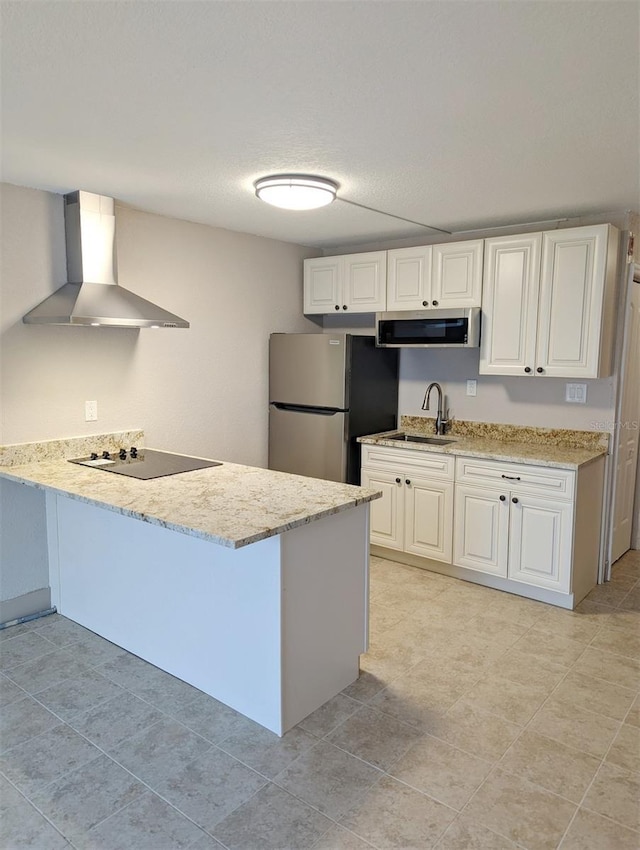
(273, 629)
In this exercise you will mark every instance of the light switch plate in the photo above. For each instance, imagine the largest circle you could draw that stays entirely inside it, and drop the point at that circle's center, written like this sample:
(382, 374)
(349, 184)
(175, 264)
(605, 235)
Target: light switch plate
(576, 393)
(472, 387)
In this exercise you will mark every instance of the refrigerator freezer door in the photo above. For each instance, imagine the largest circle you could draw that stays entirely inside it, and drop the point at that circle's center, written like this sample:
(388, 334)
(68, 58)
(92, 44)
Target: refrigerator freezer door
(308, 442)
(309, 369)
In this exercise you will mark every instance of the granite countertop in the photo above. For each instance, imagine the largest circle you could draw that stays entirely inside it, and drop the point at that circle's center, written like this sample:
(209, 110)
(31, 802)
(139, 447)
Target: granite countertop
(538, 454)
(231, 505)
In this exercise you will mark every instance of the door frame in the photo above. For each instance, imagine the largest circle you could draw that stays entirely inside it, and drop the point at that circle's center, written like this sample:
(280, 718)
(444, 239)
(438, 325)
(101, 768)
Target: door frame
(631, 279)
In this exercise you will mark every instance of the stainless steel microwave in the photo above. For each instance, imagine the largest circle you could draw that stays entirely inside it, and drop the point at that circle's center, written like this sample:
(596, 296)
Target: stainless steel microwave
(458, 327)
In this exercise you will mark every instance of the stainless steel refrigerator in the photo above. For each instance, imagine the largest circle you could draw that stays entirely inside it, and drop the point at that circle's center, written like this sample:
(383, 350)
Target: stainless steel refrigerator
(325, 391)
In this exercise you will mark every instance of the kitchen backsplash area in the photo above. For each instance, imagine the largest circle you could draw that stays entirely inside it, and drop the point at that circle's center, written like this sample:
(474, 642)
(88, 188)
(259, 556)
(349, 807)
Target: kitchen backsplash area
(19, 453)
(526, 400)
(509, 433)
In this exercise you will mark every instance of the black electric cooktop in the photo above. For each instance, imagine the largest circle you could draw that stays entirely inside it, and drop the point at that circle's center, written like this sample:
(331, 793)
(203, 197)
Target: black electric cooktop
(143, 463)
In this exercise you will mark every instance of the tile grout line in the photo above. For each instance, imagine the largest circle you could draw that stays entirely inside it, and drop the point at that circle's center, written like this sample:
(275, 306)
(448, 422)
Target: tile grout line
(528, 724)
(360, 705)
(33, 806)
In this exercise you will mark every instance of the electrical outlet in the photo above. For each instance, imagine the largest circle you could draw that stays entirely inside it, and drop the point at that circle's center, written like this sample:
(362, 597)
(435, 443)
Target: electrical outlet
(576, 393)
(472, 387)
(90, 411)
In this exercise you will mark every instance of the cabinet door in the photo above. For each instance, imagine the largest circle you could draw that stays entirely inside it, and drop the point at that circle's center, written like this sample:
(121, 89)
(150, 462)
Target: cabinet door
(510, 305)
(409, 278)
(456, 277)
(540, 539)
(365, 282)
(571, 301)
(481, 523)
(386, 513)
(323, 285)
(428, 518)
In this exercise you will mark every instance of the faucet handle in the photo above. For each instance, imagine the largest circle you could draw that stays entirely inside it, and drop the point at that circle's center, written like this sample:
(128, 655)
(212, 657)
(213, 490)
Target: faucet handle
(442, 422)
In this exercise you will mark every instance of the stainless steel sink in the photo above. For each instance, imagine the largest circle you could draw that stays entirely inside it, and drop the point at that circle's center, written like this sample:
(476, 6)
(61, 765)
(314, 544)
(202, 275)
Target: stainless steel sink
(410, 438)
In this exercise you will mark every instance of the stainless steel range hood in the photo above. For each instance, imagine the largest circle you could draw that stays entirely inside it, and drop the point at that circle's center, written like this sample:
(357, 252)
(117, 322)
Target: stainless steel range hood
(92, 296)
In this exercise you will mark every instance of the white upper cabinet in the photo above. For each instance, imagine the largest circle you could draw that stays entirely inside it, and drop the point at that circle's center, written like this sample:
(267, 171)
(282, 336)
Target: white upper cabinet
(365, 282)
(456, 274)
(510, 304)
(322, 285)
(434, 276)
(576, 302)
(548, 303)
(409, 278)
(352, 282)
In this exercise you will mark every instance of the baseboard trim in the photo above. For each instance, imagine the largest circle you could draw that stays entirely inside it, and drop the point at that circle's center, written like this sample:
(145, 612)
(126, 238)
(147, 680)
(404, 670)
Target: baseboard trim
(25, 605)
(540, 594)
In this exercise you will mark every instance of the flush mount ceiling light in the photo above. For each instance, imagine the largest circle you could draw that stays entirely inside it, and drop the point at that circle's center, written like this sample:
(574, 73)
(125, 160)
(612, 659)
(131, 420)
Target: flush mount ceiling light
(296, 191)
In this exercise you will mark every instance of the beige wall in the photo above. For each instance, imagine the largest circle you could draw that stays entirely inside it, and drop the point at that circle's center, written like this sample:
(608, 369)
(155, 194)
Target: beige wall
(200, 391)
(518, 401)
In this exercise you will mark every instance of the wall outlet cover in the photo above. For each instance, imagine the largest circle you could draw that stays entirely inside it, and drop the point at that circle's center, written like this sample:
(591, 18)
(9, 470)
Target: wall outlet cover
(576, 393)
(472, 387)
(90, 411)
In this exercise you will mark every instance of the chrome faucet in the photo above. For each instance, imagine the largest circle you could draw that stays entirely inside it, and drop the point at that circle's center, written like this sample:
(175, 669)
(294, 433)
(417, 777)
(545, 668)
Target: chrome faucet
(442, 417)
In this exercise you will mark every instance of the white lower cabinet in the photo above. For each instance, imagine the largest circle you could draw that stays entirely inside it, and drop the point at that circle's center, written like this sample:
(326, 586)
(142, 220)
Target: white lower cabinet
(481, 530)
(532, 530)
(387, 513)
(428, 518)
(415, 513)
(514, 534)
(515, 521)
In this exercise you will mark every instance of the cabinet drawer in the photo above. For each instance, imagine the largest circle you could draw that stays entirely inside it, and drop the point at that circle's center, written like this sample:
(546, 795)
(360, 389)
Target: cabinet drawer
(542, 480)
(428, 464)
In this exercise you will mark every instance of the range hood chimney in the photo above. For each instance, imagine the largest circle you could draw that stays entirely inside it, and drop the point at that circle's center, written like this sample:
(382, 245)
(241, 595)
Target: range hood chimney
(92, 296)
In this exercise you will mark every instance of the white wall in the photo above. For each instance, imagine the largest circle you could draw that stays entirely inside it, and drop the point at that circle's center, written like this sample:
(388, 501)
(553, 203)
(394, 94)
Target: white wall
(200, 391)
(517, 401)
(22, 541)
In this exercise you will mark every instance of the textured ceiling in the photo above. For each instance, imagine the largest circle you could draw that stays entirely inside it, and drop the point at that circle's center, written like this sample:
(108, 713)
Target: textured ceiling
(455, 114)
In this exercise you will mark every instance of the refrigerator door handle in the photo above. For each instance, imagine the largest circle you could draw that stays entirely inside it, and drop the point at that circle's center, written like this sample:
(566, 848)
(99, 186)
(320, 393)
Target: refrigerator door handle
(316, 411)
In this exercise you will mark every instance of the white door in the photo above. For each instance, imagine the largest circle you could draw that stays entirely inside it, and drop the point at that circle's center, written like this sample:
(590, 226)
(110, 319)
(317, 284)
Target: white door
(323, 285)
(510, 305)
(456, 276)
(481, 529)
(626, 454)
(428, 518)
(386, 513)
(540, 532)
(409, 278)
(365, 282)
(572, 286)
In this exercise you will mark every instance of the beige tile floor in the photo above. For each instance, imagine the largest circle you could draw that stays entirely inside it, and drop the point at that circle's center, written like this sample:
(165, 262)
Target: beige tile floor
(481, 721)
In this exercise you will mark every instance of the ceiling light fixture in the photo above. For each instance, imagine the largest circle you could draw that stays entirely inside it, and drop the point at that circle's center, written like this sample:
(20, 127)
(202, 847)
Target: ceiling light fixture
(296, 191)
(308, 192)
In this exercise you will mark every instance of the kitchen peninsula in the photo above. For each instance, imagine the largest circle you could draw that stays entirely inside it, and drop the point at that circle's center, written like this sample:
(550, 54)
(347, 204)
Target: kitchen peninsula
(249, 584)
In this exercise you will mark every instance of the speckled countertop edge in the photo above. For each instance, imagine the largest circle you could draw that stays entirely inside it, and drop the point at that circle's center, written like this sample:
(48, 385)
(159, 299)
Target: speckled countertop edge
(230, 505)
(17, 454)
(536, 452)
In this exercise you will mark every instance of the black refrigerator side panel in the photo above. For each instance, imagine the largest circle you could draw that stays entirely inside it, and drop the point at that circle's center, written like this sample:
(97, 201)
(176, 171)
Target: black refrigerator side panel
(373, 395)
